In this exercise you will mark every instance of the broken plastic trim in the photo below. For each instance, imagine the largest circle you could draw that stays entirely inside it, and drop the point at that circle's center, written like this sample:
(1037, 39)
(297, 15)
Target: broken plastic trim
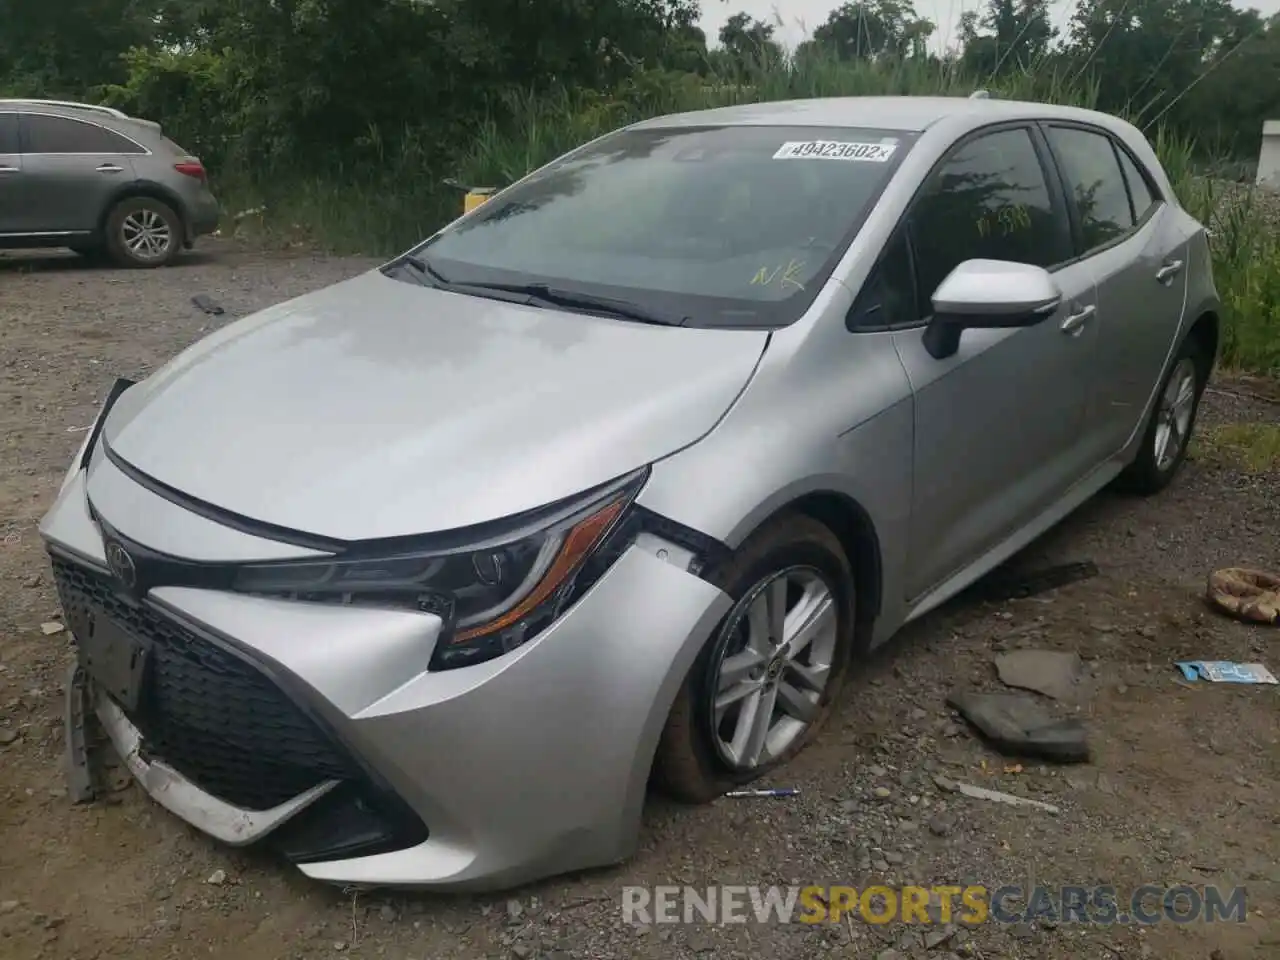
(708, 552)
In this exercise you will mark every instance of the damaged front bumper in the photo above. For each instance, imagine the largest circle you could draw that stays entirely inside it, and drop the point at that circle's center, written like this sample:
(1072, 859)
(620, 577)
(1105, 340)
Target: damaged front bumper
(89, 708)
(320, 730)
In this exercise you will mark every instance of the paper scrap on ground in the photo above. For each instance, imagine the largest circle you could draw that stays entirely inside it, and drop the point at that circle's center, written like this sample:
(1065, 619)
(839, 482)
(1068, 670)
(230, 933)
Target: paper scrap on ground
(1225, 671)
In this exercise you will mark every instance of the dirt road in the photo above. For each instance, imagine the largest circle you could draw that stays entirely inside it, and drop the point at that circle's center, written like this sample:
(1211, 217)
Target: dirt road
(1182, 789)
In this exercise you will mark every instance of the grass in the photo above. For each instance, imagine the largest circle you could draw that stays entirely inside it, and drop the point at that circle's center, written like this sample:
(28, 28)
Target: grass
(406, 198)
(1252, 447)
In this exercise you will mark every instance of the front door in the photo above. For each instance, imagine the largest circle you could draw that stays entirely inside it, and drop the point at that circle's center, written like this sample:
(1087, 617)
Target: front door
(998, 425)
(1137, 252)
(70, 170)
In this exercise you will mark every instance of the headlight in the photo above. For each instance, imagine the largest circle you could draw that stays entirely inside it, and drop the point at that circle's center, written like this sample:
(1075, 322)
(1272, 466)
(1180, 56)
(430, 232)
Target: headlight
(493, 594)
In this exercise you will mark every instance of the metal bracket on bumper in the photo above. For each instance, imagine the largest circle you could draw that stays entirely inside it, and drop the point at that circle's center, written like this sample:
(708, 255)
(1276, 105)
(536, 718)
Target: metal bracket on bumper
(80, 727)
(90, 712)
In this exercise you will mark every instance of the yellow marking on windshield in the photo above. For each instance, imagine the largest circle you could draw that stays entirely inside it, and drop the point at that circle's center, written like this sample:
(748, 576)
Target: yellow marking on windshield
(782, 275)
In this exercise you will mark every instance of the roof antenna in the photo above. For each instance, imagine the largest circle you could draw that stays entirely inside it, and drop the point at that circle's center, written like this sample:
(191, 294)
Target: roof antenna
(980, 95)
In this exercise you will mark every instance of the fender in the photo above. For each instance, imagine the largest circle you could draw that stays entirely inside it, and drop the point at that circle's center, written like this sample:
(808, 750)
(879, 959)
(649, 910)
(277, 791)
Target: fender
(828, 434)
(143, 188)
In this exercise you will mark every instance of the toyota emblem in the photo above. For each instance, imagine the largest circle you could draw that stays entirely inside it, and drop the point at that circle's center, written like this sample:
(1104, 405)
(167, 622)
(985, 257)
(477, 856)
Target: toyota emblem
(122, 565)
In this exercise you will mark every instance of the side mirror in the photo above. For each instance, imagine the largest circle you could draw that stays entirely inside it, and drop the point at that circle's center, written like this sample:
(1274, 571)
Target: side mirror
(988, 294)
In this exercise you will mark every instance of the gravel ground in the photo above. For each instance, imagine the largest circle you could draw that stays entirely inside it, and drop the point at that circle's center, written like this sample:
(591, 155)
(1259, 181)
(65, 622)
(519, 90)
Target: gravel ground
(1181, 788)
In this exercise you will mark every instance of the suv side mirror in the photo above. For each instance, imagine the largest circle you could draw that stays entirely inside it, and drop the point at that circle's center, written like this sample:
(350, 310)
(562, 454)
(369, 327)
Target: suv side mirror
(988, 294)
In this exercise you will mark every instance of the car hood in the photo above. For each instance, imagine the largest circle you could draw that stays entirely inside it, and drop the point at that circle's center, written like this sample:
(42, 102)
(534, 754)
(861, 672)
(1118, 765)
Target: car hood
(378, 408)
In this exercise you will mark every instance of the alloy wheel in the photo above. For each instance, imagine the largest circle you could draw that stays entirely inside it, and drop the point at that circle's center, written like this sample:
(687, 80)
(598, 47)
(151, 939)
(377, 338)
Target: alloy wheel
(1173, 419)
(775, 660)
(146, 234)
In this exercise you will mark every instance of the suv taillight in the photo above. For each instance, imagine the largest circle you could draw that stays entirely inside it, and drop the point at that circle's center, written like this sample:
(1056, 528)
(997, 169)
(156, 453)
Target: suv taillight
(192, 167)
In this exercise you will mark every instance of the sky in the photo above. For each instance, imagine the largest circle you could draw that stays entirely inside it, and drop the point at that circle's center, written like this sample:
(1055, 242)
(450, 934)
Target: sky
(800, 17)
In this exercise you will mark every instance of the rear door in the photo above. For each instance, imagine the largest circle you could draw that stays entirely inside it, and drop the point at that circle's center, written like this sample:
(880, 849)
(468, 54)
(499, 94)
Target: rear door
(1131, 241)
(70, 170)
(10, 173)
(998, 425)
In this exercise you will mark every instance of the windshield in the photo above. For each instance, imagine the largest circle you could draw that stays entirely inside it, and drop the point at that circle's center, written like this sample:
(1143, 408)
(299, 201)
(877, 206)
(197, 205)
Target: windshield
(727, 226)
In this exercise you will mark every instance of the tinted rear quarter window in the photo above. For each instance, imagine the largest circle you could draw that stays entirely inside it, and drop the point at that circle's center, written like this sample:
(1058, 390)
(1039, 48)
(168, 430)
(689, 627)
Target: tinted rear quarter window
(990, 200)
(8, 133)
(1096, 185)
(48, 134)
(1139, 191)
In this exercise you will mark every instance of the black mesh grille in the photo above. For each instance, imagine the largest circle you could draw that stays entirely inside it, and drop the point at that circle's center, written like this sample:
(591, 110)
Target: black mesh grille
(207, 713)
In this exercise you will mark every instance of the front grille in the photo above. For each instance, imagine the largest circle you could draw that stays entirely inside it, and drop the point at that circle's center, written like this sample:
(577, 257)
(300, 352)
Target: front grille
(207, 713)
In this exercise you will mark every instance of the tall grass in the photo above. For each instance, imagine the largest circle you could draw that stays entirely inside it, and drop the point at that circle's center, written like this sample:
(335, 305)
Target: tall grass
(405, 199)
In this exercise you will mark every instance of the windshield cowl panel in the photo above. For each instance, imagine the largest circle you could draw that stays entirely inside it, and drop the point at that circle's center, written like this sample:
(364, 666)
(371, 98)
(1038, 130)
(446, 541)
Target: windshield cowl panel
(736, 226)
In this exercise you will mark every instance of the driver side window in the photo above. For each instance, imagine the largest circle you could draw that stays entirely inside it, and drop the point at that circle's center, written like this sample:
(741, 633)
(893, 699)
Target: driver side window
(989, 200)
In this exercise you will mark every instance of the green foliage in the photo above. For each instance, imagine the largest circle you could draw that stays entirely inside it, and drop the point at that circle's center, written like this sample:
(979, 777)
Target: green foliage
(67, 46)
(342, 119)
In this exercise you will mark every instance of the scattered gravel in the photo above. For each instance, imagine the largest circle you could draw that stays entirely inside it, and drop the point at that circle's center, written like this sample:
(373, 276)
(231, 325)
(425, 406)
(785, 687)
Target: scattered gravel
(1181, 789)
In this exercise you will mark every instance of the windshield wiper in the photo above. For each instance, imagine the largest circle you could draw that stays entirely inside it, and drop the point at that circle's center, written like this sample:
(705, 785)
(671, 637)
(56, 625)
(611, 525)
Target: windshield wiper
(542, 292)
(421, 268)
(559, 297)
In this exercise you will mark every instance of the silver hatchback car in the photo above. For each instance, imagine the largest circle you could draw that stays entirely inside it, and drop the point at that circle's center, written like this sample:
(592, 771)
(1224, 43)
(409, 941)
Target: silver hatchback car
(424, 577)
(95, 180)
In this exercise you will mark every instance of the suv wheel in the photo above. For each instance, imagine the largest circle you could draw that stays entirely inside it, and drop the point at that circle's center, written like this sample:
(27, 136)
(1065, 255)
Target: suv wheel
(144, 232)
(762, 687)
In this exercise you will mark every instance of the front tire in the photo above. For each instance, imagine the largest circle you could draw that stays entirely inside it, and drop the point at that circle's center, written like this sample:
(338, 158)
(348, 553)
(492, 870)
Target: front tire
(144, 232)
(1168, 433)
(762, 687)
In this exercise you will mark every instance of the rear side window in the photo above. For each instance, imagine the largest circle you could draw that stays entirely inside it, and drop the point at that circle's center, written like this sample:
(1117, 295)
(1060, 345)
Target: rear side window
(1094, 180)
(46, 134)
(989, 200)
(1139, 192)
(8, 133)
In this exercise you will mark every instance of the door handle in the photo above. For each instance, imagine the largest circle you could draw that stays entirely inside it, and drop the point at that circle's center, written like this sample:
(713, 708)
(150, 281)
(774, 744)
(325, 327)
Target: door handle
(1168, 271)
(1075, 322)
(110, 168)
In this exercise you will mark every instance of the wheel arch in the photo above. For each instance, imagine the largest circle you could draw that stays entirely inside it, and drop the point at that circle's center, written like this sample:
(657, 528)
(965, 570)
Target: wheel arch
(1205, 333)
(143, 188)
(852, 525)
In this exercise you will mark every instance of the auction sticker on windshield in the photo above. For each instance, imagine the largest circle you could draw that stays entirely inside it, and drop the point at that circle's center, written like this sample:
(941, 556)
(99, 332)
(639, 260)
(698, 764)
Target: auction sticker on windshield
(835, 150)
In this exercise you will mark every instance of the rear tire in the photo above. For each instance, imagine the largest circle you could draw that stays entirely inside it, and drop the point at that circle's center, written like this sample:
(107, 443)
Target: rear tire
(789, 581)
(144, 232)
(1171, 424)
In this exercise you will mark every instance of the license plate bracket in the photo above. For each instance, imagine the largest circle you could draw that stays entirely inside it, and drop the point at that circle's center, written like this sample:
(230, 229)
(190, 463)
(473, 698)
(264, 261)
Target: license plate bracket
(113, 657)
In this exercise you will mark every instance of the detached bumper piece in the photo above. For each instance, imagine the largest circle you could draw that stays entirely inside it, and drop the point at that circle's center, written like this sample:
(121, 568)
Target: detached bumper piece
(215, 740)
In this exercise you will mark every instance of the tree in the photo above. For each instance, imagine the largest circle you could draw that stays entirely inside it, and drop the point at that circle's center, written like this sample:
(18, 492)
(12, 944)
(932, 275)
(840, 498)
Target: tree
(1148, 53)
(71, 46)
(867, 29)
(1231, 97)
(748, 45)
(1008, 35)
